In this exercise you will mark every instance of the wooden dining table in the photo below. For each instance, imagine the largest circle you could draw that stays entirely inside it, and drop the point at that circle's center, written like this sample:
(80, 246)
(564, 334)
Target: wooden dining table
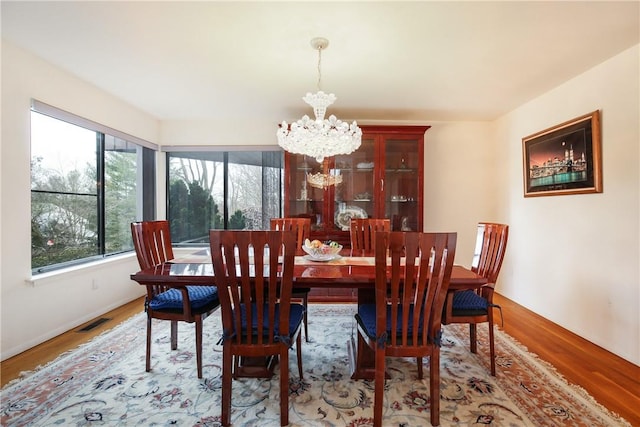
(356, 271)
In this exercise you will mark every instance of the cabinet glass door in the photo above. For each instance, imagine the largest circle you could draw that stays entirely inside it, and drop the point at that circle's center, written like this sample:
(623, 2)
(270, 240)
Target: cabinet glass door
(401, 183)
(355, 196)
(304, 199)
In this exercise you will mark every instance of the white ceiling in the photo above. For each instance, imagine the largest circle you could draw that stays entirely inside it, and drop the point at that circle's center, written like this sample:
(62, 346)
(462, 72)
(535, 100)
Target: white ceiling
(398, 61)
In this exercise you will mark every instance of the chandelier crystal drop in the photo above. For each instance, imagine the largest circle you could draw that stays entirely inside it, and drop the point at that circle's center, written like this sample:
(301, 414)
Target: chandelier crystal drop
(319, 138)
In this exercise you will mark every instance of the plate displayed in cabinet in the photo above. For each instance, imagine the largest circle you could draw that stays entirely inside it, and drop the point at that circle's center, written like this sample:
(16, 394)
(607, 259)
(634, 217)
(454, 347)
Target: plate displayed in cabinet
(343, 217)
(362, 197)
(365, 165)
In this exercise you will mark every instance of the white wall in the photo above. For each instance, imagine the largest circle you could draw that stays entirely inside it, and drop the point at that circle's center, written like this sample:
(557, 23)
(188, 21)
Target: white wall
(219, 132)
(459, 182)
(32, 314)
(575, 259)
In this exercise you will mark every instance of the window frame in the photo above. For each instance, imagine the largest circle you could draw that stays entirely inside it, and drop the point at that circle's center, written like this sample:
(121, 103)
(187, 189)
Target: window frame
(145, 176)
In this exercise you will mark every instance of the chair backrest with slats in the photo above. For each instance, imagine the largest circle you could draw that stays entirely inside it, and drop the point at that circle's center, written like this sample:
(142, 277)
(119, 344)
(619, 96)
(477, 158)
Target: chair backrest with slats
(152, 242)
(251, 284)
(302, 227)
(363, 231)
(414, 287)
(491, 243)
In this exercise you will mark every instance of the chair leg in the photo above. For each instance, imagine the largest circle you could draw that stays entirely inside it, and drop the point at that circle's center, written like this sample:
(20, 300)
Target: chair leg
(284, 386)
(148, 358)
(361, 359)
(305, 303)
(420, 373)
(174, 334)
(434, 386)
(227, 361)
(473, 339)
(198, 323)
(378, 399)
(492, 350)
(236, 366)
(299, 352)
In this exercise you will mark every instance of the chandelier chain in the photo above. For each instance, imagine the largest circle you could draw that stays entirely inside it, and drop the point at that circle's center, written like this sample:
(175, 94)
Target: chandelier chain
(319, 67)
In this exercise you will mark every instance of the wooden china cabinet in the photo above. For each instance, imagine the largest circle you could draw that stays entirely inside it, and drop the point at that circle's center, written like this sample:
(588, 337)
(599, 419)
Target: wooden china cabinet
(382, 179)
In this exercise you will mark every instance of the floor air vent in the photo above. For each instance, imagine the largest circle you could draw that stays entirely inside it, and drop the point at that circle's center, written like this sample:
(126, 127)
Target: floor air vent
(94, 324)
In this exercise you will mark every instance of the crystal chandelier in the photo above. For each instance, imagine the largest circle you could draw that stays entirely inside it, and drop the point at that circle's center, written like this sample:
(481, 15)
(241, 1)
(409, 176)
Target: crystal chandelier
(321, 137)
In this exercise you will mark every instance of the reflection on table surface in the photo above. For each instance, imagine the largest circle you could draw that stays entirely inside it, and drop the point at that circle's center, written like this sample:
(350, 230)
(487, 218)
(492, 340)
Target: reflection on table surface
(306, 273)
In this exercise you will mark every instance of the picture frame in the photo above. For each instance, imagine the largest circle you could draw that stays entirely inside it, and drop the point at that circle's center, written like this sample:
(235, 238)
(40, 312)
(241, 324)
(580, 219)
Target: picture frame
(564, 159)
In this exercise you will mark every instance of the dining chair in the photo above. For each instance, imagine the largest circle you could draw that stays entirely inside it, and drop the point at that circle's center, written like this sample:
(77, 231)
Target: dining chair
(258, 318)
(191, 304)
(362, 232)
(475, 306)
(302, 227)
(405, 319)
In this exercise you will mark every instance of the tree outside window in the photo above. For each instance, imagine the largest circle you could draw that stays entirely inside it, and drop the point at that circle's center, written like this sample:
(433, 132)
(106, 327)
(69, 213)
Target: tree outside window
(84, 193)
(222, 190)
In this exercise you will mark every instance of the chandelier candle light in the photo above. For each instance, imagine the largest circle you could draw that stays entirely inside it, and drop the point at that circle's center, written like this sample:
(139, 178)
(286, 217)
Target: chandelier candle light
(321, 137)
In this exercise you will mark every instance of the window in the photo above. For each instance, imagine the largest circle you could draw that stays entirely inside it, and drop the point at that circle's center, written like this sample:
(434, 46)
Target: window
(238, 190)
(74, 218)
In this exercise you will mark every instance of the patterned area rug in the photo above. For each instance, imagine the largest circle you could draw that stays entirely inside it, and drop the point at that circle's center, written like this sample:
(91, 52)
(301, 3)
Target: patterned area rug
(104, 383)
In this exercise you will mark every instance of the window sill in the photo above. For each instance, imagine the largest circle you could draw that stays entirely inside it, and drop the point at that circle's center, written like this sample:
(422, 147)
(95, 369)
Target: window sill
(52, 276)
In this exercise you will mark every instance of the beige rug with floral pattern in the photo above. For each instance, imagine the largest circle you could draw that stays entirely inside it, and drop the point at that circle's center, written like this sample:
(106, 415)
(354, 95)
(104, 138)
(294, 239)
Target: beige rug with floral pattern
(104, 383)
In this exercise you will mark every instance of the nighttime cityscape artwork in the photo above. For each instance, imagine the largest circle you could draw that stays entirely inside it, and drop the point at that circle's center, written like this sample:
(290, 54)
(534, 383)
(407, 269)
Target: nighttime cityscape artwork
(564, 159)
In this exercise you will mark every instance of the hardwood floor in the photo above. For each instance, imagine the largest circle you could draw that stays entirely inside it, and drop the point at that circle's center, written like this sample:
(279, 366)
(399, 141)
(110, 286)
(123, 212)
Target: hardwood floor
(612, 381)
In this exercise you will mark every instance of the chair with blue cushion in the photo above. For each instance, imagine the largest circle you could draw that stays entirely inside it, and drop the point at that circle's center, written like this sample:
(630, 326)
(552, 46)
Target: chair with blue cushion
(191, 304)
(258, 318)
(405, 319)
(476, 306)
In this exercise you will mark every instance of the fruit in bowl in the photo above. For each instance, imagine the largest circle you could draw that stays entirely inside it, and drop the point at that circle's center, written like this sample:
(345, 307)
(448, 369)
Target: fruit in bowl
(320, 251)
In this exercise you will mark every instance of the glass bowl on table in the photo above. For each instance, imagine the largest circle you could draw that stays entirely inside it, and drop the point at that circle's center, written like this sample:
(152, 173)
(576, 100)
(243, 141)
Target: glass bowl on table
(319, 251)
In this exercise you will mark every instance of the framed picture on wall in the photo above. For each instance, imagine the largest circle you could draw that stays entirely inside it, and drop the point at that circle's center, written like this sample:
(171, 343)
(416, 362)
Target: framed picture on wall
(564, 159)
